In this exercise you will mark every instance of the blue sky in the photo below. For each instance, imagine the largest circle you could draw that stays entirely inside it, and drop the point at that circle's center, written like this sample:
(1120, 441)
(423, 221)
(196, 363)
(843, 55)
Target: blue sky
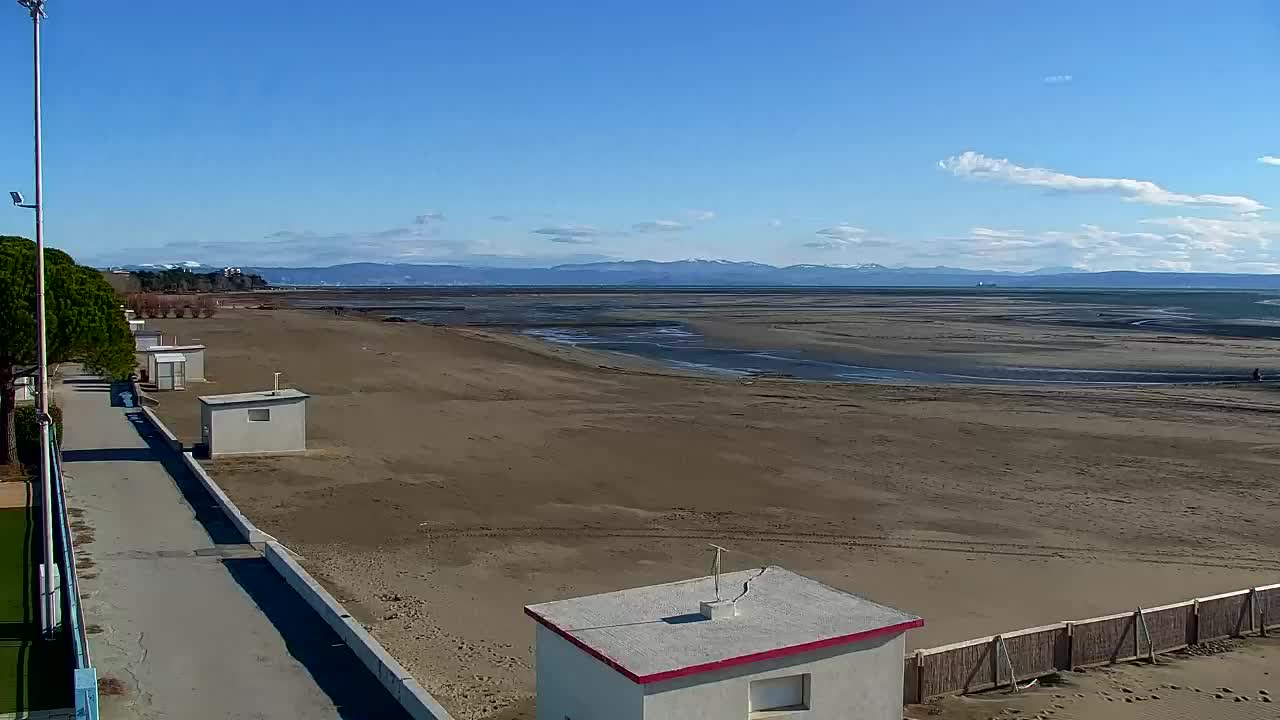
(1006, 135)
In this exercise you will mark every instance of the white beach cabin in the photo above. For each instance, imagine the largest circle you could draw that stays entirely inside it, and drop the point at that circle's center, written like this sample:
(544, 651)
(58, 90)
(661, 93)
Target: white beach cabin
(25, 387)
(144, 339)
(254, 423)
(168, 371)
(194, 355)
(780, 646)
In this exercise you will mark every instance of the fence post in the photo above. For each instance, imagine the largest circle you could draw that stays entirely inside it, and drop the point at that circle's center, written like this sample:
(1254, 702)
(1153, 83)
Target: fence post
(1195, 617)
(1071, 647)
(1137, 627)
(1253, 610)
(919, 676)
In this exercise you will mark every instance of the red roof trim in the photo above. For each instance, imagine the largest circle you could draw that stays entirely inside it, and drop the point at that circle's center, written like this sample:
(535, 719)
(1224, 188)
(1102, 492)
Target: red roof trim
(729, 662)
(584, 647)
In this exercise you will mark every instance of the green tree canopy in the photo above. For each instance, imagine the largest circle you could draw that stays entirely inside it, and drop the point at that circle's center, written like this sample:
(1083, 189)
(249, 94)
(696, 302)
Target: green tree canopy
(84, 322)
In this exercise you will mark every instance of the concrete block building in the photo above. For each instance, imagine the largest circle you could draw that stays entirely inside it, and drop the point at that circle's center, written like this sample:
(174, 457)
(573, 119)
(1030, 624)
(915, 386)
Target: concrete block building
(144, 339)
(168, 370)
(251, 423)
(194, 355)
(774, 645)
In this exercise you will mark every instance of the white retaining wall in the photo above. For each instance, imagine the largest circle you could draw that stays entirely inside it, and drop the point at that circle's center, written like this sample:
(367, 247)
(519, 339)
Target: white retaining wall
(408, 692)
(403, 687)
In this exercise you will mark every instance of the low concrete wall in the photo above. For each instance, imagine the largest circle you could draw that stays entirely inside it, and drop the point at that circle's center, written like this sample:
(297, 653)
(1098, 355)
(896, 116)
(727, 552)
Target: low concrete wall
(403, 687)
(407, 691)
(174, 443)
(248, 531)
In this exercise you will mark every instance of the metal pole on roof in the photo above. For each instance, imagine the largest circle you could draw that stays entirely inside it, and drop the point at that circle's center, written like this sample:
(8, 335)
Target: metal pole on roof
(715, 567)
(47, 602)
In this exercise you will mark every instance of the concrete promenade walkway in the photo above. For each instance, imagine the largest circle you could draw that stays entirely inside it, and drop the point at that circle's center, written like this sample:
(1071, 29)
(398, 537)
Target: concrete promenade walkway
(190, 623)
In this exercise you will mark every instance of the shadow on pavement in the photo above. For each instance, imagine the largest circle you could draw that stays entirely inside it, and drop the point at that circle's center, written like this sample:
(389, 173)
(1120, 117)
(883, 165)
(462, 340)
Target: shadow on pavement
(107, 455)
(352, 688)
(207, 512)
(86, 381)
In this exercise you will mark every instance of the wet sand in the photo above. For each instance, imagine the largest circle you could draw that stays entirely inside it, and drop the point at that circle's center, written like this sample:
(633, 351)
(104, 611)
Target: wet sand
(456, 475)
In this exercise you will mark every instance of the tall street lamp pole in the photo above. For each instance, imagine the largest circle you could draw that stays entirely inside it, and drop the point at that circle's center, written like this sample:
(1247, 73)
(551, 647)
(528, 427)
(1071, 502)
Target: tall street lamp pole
(48, 610)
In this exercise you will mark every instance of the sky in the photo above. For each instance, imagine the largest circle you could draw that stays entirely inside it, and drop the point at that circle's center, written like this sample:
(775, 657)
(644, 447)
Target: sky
(988, 135)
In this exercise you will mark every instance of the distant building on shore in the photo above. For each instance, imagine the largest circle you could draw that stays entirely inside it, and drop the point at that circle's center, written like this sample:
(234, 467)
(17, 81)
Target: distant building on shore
(773, 645)
(254, 423)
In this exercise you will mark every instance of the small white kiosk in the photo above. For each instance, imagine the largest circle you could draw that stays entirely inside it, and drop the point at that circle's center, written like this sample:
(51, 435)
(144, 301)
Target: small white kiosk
(194, 355)
(774, 645)
(144, 339)
(264, 422)
(25, 389)
(168, 370)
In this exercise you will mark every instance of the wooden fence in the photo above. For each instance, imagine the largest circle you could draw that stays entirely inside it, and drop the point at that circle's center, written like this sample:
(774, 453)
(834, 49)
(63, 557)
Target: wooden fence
(998, 660)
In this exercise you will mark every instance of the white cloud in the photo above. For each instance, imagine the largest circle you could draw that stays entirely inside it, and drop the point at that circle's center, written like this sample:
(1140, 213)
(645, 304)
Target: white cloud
(652, 226)
(1252, 236)
(573, 240)
(1174, 243)
(1269, 160)
(566, 231)
(701, 215)
(842, 236)
(1057, 79)
(843, 231)
(775, 223)
(429, 216)
(978, 166)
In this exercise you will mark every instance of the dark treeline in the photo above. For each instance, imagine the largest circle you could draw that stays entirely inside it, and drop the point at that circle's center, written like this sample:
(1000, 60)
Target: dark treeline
(184, 281)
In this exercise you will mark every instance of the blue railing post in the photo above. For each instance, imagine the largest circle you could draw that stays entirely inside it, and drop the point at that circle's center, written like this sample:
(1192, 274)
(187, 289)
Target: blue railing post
(86, 694)
(86, 677)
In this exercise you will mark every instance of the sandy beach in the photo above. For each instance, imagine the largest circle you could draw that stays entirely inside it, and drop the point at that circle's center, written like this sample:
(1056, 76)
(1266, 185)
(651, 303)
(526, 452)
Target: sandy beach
(456, 475)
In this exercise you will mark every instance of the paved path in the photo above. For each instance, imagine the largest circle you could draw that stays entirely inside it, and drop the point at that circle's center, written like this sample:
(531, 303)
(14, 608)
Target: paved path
(194, 625)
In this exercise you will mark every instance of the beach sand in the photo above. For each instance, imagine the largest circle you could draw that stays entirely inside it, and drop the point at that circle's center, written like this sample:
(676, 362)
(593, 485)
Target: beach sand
(457, 475)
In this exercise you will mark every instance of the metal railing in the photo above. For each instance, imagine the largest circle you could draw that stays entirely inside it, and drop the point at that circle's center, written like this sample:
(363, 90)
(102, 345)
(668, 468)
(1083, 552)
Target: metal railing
(85, 676)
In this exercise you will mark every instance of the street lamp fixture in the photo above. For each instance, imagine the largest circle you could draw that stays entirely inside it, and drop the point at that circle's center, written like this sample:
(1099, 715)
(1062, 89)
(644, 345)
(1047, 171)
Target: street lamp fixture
(17, 200)
(35, 6)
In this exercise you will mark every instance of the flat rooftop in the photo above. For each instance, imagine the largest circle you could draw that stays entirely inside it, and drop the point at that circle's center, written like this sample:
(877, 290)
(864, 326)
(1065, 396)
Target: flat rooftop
(259, 396)
(656, 633)
(170, 348)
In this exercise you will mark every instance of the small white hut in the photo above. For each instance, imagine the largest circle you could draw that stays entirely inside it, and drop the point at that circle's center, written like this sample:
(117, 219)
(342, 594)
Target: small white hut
(773, 644)
(144, 339)
(168, 370)
(264, 422)
(194, 355)
(25, 389)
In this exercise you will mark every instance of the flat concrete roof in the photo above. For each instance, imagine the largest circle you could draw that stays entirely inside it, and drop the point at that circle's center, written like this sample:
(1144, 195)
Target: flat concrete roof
(656, 633)
(170, 357)
(256, 398)
(170, 348)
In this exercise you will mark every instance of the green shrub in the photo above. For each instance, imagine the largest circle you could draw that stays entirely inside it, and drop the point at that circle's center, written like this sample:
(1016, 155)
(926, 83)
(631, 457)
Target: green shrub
(28, 432)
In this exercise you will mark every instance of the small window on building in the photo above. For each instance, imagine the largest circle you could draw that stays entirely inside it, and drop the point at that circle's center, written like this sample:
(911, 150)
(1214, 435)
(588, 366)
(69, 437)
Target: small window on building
(260, 415)
(779, 694)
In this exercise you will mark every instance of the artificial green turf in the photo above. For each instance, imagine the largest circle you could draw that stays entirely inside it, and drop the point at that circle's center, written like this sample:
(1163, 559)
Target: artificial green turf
(35, 674)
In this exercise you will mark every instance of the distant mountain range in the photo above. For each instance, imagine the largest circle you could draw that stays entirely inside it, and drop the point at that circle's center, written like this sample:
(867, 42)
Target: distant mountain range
(724, 273)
